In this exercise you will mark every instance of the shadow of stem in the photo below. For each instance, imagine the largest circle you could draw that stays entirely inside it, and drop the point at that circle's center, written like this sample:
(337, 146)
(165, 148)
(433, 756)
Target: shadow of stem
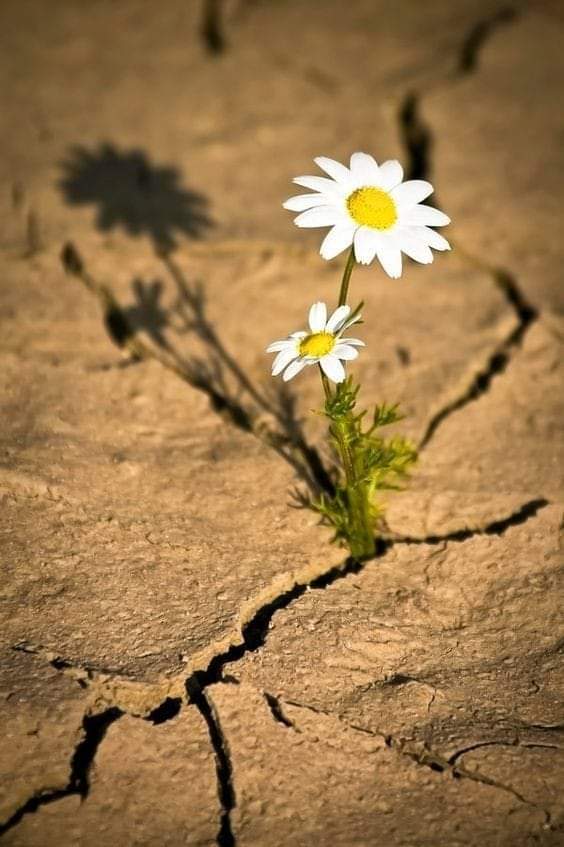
(285, 437)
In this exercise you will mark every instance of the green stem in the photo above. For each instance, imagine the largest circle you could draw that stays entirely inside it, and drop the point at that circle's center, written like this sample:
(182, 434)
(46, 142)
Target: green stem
(361, 535)
(361, 532)
(362, 542)
(326, 385)
(343, 294)
(339, 435)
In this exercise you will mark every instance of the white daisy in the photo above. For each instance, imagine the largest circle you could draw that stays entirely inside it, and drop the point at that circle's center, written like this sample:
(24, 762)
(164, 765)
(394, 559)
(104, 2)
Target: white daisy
(323, 345)
(369, 206)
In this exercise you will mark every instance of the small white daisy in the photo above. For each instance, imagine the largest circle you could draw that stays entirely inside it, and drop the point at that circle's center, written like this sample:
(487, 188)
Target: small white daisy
(323, 345)
(369, 206)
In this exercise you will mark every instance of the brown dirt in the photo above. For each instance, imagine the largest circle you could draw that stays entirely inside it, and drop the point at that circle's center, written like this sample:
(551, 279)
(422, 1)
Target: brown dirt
(184, 658)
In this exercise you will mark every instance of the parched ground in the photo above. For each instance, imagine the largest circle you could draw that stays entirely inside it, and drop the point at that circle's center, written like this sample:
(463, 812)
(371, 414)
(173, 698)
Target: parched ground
(186, 660)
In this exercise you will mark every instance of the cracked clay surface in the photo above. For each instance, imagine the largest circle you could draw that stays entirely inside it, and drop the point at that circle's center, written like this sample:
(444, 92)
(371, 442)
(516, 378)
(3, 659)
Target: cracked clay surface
(184, 658)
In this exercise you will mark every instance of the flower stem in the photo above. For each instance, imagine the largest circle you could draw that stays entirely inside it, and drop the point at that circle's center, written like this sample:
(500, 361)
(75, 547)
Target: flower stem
(362, 543)
(326, 385)
(360, 533)
(343, 294)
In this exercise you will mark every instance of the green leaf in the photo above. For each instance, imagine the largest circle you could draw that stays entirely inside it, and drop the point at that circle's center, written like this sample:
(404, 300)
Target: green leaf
(367, 464)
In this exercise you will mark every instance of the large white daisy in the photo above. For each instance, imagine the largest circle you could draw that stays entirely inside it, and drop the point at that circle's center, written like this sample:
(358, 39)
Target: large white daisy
(323, 345)
(369, 206)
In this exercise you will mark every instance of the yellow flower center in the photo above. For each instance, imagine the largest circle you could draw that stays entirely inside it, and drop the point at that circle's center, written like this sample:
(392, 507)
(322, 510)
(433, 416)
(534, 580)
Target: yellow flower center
(318, 344)
(372, 207)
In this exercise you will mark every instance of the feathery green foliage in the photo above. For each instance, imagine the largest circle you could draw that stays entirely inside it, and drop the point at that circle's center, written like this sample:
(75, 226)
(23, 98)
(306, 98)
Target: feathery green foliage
(368, 463)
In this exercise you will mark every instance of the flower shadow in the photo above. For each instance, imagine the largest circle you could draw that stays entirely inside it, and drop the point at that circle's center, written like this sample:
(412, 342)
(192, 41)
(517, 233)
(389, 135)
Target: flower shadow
(147, 313)
(147, 328)
(131, 191)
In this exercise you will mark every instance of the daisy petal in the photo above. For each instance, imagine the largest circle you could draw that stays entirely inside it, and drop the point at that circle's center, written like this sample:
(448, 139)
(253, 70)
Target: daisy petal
(419, 252)
(320, 216)
(293, 369)
(365, 245)
(276, 346)
(412, 192)
(353, 320)
(339, 172)
(354, 342)
(364, 169)
(343, 351)
(318, 317)
(414, 248)
(321, 184)
(301, 202)
(337, 319)
(425, 215)
(389, 257)
(332, 368)
(390, 174)
(300, 334)
(283, 358)
(430, 237)
(337, 240)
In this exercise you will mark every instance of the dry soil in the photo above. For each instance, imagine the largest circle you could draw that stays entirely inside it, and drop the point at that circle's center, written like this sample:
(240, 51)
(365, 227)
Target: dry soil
(185, 659)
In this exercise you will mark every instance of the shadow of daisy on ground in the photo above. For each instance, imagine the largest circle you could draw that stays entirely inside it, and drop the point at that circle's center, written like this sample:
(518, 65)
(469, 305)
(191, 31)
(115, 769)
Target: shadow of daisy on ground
(132, 192)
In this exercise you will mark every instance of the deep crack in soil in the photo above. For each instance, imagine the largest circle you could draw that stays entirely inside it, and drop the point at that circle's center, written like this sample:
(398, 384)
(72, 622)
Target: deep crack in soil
(497, 361)
(224, 766)
(276, 711)
(417, 140)
(477, 36)
(212, 29)
(416, 137)
(497, 527)
(95, 727)
(254, 633)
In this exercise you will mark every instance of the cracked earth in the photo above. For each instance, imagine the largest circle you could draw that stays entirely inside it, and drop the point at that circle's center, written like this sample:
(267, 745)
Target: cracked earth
(185, 659)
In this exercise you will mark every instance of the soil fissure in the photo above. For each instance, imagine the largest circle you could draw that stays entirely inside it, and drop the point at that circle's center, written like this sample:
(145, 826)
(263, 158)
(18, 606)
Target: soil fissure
(95, 727)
